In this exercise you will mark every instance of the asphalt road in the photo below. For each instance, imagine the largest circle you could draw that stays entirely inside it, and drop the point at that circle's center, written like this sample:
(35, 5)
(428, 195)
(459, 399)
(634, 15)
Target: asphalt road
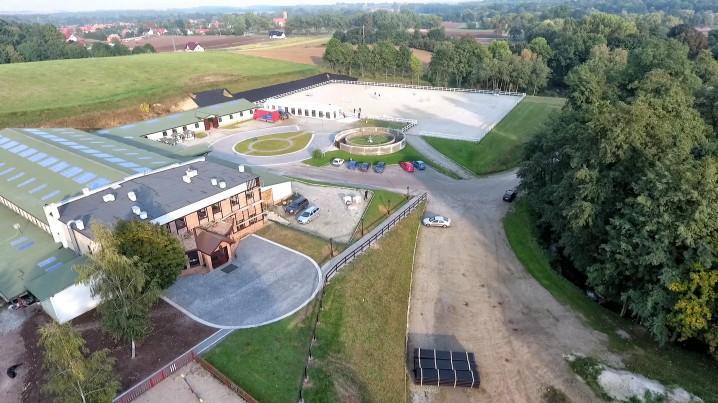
(470, 293)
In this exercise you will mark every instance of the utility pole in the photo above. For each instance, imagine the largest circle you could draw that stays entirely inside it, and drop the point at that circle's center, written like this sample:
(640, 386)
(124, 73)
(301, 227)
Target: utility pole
(362, 34)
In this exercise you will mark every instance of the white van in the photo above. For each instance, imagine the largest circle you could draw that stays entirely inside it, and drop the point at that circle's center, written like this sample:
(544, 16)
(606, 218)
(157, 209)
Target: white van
(308, 215)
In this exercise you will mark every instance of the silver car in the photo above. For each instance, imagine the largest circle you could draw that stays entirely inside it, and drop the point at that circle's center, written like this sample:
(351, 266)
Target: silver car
(437, 221)
(308, 215)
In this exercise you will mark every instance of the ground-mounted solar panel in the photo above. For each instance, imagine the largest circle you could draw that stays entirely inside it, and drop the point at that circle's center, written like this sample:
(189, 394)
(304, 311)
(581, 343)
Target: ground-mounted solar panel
(445, 368)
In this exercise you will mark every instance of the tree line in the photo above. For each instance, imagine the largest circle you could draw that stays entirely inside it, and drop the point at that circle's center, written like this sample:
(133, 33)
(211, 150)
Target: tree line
(381, 59)
(623, 181)
(21, 42)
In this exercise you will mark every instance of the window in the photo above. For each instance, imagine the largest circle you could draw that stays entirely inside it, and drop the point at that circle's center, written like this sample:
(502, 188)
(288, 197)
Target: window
(220, 119)
(174, 131)
(234, 202)
(321, 114)
(216, 208)
(241, 113)
(184, 128)
(164, 133)
(231, 117)
(250, 197)
(202, 214)
(196, 125)
(314, 113)
(180, 223)
(193, 258)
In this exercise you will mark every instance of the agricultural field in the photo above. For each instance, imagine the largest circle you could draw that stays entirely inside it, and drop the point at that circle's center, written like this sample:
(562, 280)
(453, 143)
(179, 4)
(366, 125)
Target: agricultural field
(43, 92)
(502, 147)
(170, 43)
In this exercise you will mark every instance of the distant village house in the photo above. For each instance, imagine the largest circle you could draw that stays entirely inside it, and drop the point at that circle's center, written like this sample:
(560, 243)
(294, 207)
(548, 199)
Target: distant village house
(193, 47)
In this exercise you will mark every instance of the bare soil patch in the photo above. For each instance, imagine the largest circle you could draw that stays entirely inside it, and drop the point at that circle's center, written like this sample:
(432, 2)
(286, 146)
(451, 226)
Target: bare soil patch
(12, 352)
(172, 334)
(169, 43)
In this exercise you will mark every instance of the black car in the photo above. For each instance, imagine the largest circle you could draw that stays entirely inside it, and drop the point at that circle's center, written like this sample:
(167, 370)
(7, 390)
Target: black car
(509, 195)
(300, 203)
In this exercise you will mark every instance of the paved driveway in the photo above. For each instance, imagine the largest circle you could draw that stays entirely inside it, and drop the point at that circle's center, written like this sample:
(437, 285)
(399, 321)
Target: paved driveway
(269, 283)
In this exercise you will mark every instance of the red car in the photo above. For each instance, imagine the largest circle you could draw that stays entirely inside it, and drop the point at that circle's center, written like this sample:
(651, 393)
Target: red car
(407, 166)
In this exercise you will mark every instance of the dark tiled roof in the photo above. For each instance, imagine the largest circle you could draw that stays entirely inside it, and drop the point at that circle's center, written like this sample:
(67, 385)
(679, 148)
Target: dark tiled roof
(259, 94)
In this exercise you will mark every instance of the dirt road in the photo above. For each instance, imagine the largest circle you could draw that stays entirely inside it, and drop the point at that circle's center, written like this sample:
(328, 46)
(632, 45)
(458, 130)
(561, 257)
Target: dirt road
(470, 293)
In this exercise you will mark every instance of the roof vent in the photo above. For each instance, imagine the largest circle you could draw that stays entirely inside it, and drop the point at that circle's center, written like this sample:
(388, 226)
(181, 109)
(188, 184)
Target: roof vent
(187, 179)
(108, 197)
(132, 196)
(222, 184)
(214, 181)
(191, 172)
(241, 168)
(136, 210)
(143, 215)
(79, 225)
(86, 191)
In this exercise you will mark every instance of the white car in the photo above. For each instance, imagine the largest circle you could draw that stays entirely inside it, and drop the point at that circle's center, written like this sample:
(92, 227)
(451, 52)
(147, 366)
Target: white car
(437, 221)
(308, 215)
(337, 162)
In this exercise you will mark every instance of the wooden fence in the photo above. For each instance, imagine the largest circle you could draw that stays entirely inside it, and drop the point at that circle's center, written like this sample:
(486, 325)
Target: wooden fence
(226, 381)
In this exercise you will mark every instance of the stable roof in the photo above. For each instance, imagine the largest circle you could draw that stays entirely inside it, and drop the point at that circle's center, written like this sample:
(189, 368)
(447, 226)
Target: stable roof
(31, 260)
(156, 193)
(41, 166)
(179, 119)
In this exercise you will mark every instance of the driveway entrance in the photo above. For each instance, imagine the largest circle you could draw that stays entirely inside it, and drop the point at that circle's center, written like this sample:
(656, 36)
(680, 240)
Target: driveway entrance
(264, 283)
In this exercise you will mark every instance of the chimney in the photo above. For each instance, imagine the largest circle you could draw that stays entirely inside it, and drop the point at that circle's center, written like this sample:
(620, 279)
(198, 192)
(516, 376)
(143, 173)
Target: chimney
(108, 197)
(214, 181)
(132, 196)
(241, 168)
(136, 210)
(222, 184)
(79, 225)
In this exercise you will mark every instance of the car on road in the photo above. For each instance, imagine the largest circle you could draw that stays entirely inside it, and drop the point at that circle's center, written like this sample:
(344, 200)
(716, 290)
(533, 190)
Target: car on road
(407, 166)
(364, 166)
(352, 164)
(420, 165)
(509, 195)
(337, 162)
(437, 221)
(308, 215)
(297, 204)
(379, 167)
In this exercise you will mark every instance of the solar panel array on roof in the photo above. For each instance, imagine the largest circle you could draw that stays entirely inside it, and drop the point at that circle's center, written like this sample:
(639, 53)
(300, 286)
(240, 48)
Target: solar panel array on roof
(445, 368)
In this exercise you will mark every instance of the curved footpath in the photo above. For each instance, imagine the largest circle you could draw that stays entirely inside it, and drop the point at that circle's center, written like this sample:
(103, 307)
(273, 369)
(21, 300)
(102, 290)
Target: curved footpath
(470, 292)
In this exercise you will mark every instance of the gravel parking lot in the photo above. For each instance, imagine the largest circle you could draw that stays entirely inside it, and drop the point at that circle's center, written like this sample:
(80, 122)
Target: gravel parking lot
(335, 220)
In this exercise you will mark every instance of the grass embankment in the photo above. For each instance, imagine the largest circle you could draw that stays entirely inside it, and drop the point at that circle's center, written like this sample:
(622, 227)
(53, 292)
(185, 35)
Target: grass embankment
(360, 351)
(382, 202)
(670, 364)
(502, 147)
(311, 245)
(274, 144)
(363, 323)
(41, 91)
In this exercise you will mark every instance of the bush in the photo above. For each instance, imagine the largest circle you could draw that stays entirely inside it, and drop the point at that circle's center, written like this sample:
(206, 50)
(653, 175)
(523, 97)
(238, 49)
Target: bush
(317, 154)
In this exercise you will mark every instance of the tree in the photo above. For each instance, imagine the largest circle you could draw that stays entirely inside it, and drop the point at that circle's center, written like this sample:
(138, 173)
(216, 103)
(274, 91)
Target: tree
(690, 36)
(161, 253)
(416, 68)
(333, 53)
(363, 58)
(539, 46)
(122, 285)
(72, 374)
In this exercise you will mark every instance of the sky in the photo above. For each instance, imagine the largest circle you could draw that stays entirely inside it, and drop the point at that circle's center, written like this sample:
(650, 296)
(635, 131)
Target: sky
(44, 6)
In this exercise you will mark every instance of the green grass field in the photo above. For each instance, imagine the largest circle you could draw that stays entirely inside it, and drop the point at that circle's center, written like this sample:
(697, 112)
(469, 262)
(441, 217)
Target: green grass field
(360, 351)
(311, 245)
(274, 144)
(40, 91)
(670, 364)
(370, 140)
(502, 147)
(379, 123)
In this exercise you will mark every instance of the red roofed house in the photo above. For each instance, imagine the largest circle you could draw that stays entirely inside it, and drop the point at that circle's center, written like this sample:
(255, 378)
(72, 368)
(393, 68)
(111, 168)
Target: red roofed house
(280, 21)
(193, 47)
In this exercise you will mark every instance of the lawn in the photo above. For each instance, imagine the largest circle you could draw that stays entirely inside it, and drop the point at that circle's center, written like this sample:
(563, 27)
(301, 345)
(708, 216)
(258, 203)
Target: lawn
(40, 91)
(363, 322)
(380, 123)
(409, 153)
(670, 364)
(313, 246)
(268, 361)
(382, 202)
(502, 147)
(274, 144)
(360, 353)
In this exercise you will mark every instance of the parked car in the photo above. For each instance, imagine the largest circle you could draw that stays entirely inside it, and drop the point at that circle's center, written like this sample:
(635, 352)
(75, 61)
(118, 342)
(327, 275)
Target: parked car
(420, 165)
(437, 221)
(379, 167)
(337, 162)
(298, 204)
(352, 164)
(364, 166)
(308, 215)
(509, 195)
(407, 166)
